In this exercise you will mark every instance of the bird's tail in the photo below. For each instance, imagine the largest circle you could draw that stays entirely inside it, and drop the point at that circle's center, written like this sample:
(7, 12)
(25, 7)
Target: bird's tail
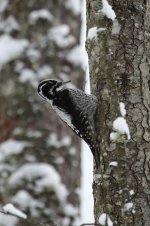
(96, 155)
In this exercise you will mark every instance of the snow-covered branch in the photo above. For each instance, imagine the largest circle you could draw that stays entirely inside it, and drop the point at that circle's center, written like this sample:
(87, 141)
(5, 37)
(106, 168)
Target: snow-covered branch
(13, 211)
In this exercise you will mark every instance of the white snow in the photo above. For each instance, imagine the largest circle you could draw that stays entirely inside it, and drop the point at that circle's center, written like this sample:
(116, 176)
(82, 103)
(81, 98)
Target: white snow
(25, 201)
(72, 151)
(19, 65)
(5, 167)
(9, 25)
(22, 198)
(127, 206)
(11, 147)
(40, 14)
(92, 32)
(87, 201)
(65, 221)
(133, 211)
(70, 210)
(30, 158)
(34, 134)
(59, 160)
(113, 163)
(11, 48)
(44, 72)
(11, 209)
(109, 222)
(132, 192)
(107, 10)
(120, 125)
(114, 136)
(104, 219)
(74, 5)
(53, 141)
(60, 35)
(5, 171)
(42, 175)
(28, 75)
(17, 131)
(122, 109)
(78, 56)
(8, 220)
(97, 178)
(33, 54)
(3, 5)
(116, 27)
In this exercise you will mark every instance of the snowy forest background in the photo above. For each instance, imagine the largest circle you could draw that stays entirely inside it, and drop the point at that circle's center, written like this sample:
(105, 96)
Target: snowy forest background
(40, 157)
(45, 169)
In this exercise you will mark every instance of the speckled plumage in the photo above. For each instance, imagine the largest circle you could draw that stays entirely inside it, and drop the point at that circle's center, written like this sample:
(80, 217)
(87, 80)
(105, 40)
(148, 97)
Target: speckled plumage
(75, 108)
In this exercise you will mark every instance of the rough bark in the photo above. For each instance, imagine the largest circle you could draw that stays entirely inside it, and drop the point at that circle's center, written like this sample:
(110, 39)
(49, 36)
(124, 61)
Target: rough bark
(119, 61)
(24, 117)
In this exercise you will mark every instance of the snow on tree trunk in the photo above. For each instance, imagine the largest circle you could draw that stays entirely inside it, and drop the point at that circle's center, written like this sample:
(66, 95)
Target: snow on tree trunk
(39, 155)
(119, 58)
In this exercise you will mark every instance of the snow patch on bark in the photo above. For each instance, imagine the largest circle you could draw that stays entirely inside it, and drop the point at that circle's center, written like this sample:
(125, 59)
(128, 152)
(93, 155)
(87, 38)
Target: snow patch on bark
(92, 32)
(114, 136)
(120, 125)
(107, 10)
(104, 219)
(128, 206)
(113, 163)
(122, 109)
(116, 27)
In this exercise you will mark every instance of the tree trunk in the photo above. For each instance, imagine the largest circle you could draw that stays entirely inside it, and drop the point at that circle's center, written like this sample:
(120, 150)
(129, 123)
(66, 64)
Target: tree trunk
(39, 40)
(119, 60)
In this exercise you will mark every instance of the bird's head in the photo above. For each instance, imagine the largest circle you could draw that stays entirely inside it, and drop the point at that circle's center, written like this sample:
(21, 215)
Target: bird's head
(47, 89)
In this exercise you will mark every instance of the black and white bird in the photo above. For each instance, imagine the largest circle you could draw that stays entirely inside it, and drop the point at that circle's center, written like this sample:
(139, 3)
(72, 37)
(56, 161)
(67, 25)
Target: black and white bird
(76, 108)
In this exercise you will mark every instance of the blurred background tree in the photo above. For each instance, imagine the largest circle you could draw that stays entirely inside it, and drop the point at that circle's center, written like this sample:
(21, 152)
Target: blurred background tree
(39, 155)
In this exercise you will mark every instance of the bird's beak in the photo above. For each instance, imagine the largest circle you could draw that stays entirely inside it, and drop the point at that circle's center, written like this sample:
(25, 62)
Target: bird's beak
(62, 83)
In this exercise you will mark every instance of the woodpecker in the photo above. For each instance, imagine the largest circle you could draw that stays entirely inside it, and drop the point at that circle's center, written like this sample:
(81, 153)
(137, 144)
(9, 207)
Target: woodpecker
(76, 108)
